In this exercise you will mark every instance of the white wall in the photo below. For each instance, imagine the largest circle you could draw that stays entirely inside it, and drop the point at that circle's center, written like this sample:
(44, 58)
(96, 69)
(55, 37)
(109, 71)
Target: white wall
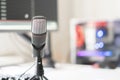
(96, 9)
(60, 39)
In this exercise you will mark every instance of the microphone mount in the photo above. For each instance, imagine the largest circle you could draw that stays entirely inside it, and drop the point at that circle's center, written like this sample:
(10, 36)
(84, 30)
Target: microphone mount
(39, 68)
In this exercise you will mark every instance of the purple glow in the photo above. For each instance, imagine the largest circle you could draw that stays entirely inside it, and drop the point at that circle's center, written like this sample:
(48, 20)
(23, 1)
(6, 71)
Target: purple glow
(94, 53)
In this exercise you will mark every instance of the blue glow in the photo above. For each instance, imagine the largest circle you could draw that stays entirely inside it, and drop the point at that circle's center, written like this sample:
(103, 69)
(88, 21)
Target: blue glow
(101, 45)
(108, 53)
(100, 33)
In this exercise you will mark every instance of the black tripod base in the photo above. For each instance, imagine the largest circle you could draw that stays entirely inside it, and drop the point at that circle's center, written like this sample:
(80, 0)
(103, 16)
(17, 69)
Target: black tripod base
(38, 78)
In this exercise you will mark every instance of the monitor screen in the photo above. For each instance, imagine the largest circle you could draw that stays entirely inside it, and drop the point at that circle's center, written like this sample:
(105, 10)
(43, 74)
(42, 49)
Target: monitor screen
(17, 14)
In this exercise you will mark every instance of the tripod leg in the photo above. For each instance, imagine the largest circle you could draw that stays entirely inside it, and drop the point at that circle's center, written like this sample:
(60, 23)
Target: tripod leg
(45, 78)
(37, 78)
(32, 78)
(41, 78)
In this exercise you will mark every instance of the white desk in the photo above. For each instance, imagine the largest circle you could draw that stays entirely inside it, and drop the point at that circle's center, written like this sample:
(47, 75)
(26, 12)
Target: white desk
(69, 72)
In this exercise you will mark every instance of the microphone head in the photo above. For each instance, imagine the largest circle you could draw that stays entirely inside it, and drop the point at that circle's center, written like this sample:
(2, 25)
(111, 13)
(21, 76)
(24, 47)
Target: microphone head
(39, 25)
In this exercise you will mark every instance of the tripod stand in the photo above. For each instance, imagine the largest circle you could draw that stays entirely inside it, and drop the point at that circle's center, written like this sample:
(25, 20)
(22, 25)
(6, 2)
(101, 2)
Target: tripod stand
(39, 68)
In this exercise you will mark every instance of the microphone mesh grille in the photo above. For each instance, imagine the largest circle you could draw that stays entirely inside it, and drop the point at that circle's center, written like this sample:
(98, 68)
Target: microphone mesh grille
(39, 26)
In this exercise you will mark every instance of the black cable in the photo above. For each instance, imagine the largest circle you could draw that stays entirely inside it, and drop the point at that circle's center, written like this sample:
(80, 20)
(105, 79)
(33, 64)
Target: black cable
(25, 36)
(25, 71)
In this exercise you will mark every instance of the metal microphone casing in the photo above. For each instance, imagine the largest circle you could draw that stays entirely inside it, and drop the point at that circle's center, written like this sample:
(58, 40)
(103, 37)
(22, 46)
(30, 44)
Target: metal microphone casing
(39, 30)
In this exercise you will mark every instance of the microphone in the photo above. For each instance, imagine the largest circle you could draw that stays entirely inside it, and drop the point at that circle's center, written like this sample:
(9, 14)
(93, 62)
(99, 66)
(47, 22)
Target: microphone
(39, 31)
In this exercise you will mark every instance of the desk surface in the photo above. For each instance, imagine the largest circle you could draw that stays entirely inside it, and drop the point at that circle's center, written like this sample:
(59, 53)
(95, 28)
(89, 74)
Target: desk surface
(68, 72)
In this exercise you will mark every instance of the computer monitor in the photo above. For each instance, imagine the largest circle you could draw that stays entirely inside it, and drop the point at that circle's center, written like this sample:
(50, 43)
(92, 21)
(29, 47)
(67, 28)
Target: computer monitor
(15, 15)
(22, 26)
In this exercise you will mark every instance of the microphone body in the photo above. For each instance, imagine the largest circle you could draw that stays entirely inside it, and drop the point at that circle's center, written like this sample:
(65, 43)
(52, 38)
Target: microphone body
(39, 32)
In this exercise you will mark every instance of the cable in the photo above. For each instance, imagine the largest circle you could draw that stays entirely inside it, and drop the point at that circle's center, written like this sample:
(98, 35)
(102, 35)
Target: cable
(25, 71)
(23, 48)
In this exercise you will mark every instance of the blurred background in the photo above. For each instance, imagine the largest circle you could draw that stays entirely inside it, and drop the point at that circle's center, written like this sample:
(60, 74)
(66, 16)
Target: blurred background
(80, 32)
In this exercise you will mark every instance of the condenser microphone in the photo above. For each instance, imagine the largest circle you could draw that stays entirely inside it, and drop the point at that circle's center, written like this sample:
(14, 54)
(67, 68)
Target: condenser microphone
(39, 31)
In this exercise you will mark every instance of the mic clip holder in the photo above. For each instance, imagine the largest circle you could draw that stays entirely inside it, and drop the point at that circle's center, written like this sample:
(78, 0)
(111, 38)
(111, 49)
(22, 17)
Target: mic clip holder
(39, 68)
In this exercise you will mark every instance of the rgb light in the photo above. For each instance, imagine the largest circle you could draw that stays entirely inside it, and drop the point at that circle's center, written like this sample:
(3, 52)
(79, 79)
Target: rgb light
(100, 33)
(94, 53)
(99, 45)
